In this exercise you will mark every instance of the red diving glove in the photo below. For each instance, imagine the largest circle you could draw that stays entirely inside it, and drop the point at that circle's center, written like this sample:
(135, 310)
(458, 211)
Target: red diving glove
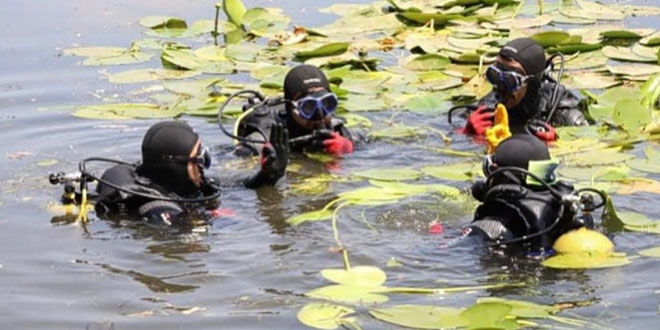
(546, 133)
(338, 145)
(479, 121)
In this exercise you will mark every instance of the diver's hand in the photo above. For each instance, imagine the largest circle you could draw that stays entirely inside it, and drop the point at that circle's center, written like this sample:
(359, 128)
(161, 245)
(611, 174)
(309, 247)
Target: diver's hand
(338, 145)
(545, 132)
(275, 154)
(479, 121)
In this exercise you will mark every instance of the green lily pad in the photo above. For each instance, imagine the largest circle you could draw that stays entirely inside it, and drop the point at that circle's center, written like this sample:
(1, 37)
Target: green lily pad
(589, 80)
(357, 276)
(550, 38)
(391, 174)
(323, 316)
(585, 61)
(653, 252)
(244, 52)
(157, 22)
(427, 62)
(186, 59)
(357, 102)
(523, 309)
(98, 51)
(423, 18)
(125, 111)
(330, 49)
(234, 9)
(634, 69)
(487, 315)
(395, 132)
(427, 103)
(631, 115)
(421, 317)
(318, 215)
(348, 294)
(143, 75)
(453, 172)
(585, 261)
(592, 10)
(625, 54)
(645, 165)
(574, 48)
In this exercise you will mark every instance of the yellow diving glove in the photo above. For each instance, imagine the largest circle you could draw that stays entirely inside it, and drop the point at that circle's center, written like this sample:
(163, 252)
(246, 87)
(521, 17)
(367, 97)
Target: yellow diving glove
(500, 129)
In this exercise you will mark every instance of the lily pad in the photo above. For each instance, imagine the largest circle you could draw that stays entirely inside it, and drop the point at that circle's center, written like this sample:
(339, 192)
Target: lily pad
(348, 294)
(550, 38)
(421, 317)
(651, 252)
(427, 62)
(631, 115)
(318, 215)
(357, 276)
(453, 172)
(391, 174)
(487, 315)
(156, 22)
(634, 69)
(323, 316)
(143, 75)
(125, 111)
(586, 261)
(592, 10)
(523, 309)
(330, 49)
(625, 54)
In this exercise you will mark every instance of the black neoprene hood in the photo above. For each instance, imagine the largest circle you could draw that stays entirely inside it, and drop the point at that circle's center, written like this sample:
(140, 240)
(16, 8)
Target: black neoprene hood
(527, 52)
(519, 149)
(301, 78)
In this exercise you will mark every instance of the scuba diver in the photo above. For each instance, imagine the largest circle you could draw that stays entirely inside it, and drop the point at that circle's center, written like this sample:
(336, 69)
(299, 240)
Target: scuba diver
(522, 201)
(535, 101)
(169, 183)
(306, 111)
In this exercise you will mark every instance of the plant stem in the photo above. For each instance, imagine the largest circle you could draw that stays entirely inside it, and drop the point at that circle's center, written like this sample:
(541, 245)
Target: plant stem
(215, 30)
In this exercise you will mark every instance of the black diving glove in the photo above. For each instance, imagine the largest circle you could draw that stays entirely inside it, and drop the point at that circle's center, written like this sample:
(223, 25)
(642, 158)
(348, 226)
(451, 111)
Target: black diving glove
(274, 158)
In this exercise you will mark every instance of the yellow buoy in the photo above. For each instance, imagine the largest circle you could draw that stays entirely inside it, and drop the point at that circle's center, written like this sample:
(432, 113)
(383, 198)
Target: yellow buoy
(500, 130)
(583, 240)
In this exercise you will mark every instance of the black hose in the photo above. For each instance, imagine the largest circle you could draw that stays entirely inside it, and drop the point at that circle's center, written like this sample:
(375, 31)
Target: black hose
(82, 166)
(221, 109)
(467, 108)
(554, 101)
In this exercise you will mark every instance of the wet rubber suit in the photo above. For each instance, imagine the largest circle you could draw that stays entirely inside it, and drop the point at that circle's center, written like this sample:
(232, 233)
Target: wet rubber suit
(536, 105)
(257, 124)
(165, 172)
(512, 209)
(324, 132)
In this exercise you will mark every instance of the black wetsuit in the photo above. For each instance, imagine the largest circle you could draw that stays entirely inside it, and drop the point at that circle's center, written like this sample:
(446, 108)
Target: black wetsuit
(510, 210)
(536, 105)
(115, 203)
(257, 124)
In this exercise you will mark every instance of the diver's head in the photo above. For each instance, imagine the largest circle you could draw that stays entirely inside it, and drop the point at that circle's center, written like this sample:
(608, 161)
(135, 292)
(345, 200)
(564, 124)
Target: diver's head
(517, 71)
(311, 101)
(173, 157)
(516, 151)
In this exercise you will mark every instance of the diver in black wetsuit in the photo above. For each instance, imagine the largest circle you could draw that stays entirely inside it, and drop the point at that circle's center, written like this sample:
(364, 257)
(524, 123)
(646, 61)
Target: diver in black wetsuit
(307, 113)
(170, 182)
(518, 208)
(535, 102)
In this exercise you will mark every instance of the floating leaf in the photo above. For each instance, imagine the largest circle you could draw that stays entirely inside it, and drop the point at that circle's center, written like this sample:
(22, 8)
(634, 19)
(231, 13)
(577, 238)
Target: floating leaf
(310, 216)
(585, 61)
(125, 111)
(631, 115)
(142, 75)
(585, 261)
(323, 316)
(242, 52)
(421, 317)
(589, 80)
(391, 174)
(575, 48)
(486, 315)
(330, 49)
(428, 62)
(625, 54)
(424, 18)
(645, 165)
(592, 10)
(634, 69)
(94, 51)
(348, 294)
(651, 252)
(185, 59)
(427, 103)
(453, 172)
(523, 309)
(550, 38)
(357, 276)
(234, 9)
(157, 22)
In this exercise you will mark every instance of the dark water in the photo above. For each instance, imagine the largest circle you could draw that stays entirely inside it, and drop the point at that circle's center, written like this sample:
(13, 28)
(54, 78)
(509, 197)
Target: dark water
(249, 270)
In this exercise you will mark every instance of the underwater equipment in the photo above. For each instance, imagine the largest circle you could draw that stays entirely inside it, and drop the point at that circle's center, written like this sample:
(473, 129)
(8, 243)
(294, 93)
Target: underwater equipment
(510, 80)
(583, 240)
(256, 102)
(571, 203)
(309, 105)
(84, 176)
(466, 109)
